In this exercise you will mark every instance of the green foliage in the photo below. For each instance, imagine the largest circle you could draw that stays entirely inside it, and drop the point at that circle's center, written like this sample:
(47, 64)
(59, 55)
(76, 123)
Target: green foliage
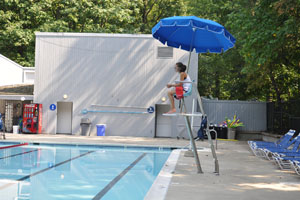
(264, 64)
(20, 19)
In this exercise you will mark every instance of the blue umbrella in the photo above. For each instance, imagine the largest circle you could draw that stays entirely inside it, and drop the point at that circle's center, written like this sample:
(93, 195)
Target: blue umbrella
(190, 32)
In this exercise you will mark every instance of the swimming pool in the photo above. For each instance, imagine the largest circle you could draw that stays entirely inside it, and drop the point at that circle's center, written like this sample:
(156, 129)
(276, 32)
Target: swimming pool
(48, 171)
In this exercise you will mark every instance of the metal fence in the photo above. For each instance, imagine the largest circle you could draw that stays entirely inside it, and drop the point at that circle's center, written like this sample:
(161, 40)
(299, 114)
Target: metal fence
(252, 113)
(283, 116)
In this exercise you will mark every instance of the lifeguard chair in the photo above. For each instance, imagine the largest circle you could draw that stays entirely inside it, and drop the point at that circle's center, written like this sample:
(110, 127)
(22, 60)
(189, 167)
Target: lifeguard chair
(180, 95)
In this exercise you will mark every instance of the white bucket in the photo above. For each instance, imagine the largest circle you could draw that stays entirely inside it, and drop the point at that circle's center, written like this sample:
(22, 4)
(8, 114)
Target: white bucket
(15, 129)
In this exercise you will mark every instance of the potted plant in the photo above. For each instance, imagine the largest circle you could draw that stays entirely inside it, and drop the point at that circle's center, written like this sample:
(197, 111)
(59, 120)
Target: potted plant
(231, 125)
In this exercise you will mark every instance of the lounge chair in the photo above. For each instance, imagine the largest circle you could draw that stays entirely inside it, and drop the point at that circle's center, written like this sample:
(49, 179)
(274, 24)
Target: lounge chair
(296, 166)
(291, 147)
(286, 162)
(282, 142)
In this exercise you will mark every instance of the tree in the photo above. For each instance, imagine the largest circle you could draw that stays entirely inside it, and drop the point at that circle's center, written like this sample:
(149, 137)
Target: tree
(20, 19)
(269, 37)
(264, 63)
(220, 75)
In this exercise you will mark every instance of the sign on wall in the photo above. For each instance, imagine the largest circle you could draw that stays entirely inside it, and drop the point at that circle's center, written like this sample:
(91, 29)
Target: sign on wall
(52, 107)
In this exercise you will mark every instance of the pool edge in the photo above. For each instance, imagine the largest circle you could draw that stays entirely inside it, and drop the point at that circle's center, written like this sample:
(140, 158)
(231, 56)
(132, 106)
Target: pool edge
(160, 186)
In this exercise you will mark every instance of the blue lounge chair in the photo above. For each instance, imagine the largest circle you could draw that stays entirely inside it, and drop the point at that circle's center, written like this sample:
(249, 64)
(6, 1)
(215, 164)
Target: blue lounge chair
(282, 142)
(291, 147)
(296, 166)
(286, 162)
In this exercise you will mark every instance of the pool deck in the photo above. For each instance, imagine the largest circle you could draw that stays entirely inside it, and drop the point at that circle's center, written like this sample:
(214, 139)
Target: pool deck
(242, 175)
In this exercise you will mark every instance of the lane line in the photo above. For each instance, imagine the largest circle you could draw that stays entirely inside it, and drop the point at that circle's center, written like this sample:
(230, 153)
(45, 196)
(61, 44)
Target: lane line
(46, 169)
(13, 155)
(117, 178)
(56, 165)
(12, 146)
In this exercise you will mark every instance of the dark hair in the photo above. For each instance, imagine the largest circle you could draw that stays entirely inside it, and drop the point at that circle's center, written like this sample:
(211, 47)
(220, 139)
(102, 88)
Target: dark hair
(181, 66)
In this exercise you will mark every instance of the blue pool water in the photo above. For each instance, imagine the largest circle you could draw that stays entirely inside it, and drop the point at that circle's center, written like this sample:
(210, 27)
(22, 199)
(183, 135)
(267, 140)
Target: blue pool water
(78, 172)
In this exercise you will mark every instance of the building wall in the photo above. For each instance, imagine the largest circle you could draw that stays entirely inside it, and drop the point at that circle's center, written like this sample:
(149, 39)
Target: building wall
(252, 114)
(28, 75)
(10, 72)
(107, 72)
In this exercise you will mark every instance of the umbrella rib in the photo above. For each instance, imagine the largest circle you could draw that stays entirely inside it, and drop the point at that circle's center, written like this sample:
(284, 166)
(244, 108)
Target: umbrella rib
(218, 39)
(170, 36)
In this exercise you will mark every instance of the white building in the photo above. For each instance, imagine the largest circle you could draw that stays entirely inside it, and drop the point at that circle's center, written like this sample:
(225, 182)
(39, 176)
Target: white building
(16, 83)
(12, 73)
(108, 78)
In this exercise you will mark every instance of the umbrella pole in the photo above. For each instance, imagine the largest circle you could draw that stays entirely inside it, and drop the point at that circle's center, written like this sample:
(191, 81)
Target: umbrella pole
(191, 47)
(188, 67)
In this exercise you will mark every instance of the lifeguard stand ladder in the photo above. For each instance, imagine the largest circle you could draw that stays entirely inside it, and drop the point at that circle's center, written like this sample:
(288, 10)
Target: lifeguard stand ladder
(189, 130)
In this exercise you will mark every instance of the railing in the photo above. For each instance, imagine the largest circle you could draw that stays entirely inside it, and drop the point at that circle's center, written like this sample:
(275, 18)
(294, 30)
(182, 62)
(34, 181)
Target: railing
(283, 116)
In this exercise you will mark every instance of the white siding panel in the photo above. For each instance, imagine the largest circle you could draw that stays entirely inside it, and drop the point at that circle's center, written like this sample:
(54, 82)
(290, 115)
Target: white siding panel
(115, 71)
(10, 72)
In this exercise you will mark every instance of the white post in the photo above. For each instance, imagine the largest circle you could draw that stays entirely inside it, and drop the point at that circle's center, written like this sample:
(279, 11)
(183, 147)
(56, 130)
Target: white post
(213, 151)
(192, 122)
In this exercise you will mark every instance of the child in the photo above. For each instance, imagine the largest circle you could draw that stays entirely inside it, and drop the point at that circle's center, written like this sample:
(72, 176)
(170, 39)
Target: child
(180, 68)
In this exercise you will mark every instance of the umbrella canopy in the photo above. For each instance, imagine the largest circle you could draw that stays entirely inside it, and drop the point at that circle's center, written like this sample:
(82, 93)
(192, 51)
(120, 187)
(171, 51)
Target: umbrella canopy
(190, 32)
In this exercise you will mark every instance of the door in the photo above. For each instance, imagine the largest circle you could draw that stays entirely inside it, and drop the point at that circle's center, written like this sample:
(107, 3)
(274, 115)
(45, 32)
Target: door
(163, 123)
(64, 117)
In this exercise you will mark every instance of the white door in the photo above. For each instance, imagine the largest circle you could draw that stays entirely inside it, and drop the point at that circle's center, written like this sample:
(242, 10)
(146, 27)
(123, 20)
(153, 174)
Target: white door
(163, 123)
(64, 117)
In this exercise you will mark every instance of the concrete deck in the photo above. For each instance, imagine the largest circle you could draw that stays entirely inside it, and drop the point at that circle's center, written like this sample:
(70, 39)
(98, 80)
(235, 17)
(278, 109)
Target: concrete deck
(242, 175)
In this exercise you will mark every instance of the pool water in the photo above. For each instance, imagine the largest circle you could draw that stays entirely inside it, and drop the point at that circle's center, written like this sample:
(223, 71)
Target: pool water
(78, 172)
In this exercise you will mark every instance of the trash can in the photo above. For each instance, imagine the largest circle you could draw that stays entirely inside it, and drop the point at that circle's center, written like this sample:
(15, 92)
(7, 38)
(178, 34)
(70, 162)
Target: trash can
(15, 129)
(85, 126)
(222, 132)
(101, 129)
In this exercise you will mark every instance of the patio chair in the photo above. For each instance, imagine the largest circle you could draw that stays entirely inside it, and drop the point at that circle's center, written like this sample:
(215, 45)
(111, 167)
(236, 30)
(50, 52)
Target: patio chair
(286, 162)
(296, 166)
(282, 142)
(291, 147)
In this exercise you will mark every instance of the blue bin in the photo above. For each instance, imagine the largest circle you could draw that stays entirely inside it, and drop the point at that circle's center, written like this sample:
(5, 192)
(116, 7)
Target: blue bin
(101, 129)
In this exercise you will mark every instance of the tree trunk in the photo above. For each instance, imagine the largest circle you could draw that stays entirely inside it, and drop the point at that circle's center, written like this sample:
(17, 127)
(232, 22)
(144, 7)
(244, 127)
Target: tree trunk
(217, 82)
(275, 86)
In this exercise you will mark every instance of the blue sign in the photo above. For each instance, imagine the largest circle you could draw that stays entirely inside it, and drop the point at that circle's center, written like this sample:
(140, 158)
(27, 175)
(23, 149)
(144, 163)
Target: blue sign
(150, 109)
(52, 107)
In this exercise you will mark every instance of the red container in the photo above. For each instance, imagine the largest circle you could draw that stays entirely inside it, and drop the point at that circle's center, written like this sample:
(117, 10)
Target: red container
(179, 92)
